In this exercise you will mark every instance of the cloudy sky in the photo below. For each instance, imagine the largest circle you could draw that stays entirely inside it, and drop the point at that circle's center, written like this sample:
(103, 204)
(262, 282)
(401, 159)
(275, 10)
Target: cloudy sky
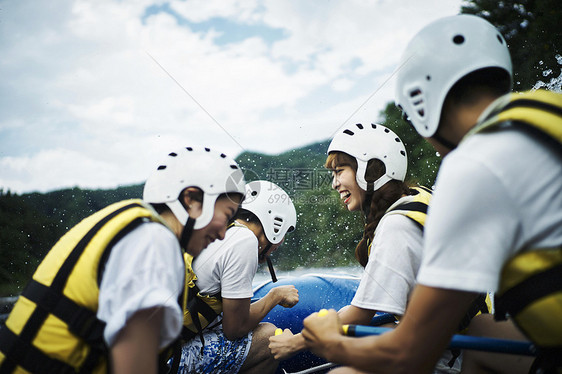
(93, 93)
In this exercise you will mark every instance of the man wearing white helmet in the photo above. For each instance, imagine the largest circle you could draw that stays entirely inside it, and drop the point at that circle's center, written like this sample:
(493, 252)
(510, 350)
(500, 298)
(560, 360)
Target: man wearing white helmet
(105, 298)
(495, 223)
(369, 165)
(233, 339)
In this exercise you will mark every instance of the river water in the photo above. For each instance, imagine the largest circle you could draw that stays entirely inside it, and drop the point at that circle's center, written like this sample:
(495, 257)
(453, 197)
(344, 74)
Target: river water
(263, 273)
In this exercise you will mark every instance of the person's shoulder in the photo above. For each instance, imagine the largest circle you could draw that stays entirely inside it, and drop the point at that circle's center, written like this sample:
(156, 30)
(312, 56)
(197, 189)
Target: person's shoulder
(152, 230)
(241, 234)
(396, 223)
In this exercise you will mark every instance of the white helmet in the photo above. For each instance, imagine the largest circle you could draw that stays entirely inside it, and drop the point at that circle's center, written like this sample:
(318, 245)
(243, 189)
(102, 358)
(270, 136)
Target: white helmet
(440, 55)
(211, 171)
(372, 142)
(273, 207)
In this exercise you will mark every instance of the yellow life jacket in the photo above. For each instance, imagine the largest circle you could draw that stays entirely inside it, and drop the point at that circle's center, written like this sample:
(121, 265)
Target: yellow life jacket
(206, 308)
(530, 288)
(198, 310)
(416, 210)
(53, 326)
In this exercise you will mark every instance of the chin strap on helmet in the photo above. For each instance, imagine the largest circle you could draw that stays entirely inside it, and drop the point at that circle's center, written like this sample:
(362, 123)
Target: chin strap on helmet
(271, 269)
(262, 255)
(186, 232)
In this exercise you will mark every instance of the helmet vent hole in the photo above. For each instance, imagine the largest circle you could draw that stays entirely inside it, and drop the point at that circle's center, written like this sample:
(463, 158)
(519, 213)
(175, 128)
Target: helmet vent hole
(415, 92)
(348, 132)
(161, 167)
(403, 153)
(428, 77)
(254, 193)
(458, 39)
(373, 125)
(233, 167)
(277, 223)
(223, 155)
(360, 126)
(397, 140)
(173, 154)
(207, 149)
(500, 39)
(189, 148)
(421, 112)
(386, 130)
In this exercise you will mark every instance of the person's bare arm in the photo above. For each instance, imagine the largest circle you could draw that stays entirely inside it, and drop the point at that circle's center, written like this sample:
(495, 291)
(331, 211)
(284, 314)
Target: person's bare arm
(136, 348)
(240, 317)
(415, 345)
(350, 314)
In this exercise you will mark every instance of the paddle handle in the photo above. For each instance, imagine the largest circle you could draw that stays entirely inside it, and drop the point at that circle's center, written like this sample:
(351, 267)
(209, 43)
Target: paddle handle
(458, 341)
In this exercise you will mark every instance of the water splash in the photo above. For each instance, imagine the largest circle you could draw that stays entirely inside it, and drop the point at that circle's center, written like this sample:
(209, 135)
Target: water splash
(555, 83)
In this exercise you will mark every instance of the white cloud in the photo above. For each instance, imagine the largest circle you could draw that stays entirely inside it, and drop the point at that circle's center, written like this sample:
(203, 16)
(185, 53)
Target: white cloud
(85, 104)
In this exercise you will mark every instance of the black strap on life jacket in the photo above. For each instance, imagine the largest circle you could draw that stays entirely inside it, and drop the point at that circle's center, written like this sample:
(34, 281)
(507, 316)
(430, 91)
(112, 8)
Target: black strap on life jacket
(527, 103)
(195, 306)
(539, 285)
(535, 132)
(81, 321)
(415, 206)
(19, 350)
(478, 306)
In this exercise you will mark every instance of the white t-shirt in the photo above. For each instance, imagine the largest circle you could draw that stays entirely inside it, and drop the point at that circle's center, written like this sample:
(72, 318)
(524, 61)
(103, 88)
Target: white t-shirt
(395, 257)
(229, 265)
(144, 270)
(496, 194)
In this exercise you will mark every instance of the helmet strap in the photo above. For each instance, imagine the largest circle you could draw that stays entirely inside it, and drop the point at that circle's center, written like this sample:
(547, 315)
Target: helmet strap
(186, 232)
(271, 269)
(262, 254)
(366, 208)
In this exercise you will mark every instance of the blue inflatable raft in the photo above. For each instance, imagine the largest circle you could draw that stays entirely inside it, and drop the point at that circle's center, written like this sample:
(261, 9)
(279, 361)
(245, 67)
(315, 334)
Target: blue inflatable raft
(316, 291)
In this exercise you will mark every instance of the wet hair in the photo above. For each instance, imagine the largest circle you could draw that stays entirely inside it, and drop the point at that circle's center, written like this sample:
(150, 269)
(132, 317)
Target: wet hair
(245, 215)
(493, 82)
(376, 203)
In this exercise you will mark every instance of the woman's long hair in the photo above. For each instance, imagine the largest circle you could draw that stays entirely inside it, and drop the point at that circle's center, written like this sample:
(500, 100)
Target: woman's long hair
(376, 203)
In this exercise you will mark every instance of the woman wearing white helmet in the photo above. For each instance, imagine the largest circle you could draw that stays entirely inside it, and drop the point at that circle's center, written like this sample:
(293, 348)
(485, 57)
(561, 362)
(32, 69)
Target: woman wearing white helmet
(105, 298)
(233, 339)
(495, 223)
(369, 164)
